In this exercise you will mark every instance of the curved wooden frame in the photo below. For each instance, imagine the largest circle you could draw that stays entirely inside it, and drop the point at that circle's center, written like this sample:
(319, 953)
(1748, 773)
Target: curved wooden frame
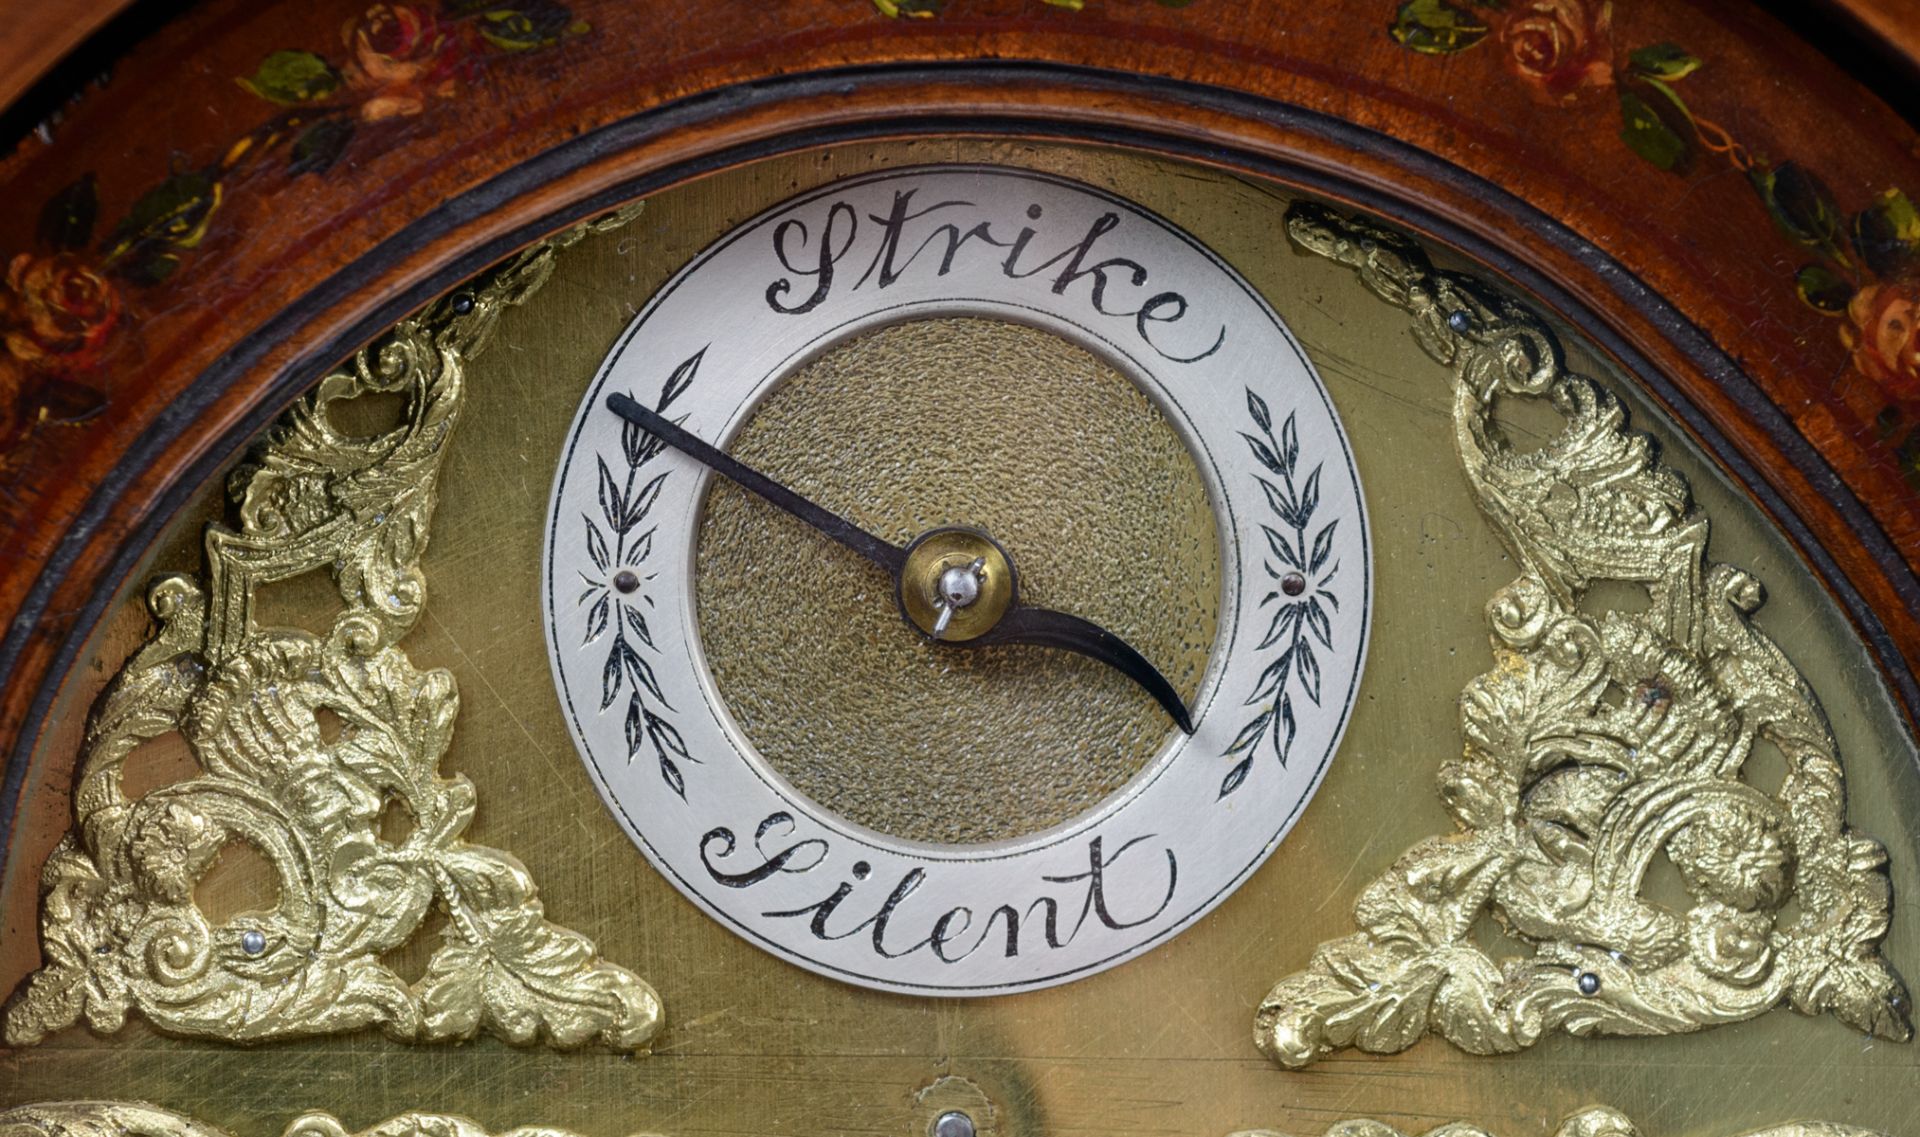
(251, 331)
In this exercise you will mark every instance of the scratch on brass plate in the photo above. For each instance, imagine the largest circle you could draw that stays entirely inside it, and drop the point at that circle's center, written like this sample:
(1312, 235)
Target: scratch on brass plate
(1599, 744)
(1594, 1122)
(303, 742)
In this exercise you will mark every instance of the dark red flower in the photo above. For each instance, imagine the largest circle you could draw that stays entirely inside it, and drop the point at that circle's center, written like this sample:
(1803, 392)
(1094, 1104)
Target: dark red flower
(57, 312)
(1885, 336)
(402, 56)
(1560, 46)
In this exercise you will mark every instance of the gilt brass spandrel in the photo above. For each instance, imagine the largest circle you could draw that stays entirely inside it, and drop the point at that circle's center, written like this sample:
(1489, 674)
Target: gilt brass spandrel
(1161, 1045)
(304, 742)
(1598, 1121)
(137, 1119)
(1602, 742)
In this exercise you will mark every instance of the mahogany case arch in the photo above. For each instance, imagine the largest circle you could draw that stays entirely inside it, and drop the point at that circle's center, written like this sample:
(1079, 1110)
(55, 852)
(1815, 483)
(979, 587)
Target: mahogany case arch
(302, 269)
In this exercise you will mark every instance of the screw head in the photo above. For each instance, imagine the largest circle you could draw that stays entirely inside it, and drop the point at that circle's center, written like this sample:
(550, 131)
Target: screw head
(253, 942)
(1589, 983)
(952, 1123)
(1293, 584)
(626, 581)
(1459, 321)
(462, 304)
(960, 586)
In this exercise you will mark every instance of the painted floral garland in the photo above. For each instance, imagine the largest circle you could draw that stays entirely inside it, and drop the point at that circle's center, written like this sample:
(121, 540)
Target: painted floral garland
(68, 304)
(1865, 261)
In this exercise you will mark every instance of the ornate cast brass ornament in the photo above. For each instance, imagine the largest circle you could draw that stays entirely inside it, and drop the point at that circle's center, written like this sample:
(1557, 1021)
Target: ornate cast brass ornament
(1595, 1122)
(134, 1119)
(303, 741)
(1599, 743)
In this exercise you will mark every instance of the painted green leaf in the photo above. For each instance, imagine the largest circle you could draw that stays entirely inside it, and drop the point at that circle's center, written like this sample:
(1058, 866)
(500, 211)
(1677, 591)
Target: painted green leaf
(528, 26)
(1435, 27)
(1075, 5)
(61, 400)
(319, 146)
(915, 9)
(66, 221)
(1801, 206)
(1908, 451)
(1886, 234)
(1648, 135)
(172, 215)
(290, 77)
(173, 208)
(147, 265)
(1823, 289)
(1663, 61)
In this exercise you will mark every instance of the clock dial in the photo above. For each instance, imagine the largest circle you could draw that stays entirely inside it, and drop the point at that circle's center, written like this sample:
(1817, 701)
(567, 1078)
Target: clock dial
(990, 366)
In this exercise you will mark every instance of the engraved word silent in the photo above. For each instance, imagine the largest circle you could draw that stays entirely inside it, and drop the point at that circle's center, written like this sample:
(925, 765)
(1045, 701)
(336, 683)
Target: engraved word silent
(897, 927)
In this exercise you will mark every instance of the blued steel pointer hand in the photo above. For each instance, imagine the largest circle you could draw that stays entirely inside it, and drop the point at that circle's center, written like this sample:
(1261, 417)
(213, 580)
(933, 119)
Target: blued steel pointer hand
(955, 585)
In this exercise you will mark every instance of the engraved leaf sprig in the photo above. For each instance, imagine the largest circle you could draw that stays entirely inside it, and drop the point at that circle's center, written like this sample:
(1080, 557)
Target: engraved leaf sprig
(1302, 568)
(619, 542)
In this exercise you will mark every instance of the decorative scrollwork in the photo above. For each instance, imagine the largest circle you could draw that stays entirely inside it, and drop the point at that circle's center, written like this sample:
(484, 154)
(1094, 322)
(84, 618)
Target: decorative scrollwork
(1595, 1122)
(304, 740)
(1596, 745)
(135, 1119)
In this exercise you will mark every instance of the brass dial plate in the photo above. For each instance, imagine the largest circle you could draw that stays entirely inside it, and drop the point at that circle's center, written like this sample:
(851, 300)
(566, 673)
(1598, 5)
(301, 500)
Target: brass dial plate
(755, 1045)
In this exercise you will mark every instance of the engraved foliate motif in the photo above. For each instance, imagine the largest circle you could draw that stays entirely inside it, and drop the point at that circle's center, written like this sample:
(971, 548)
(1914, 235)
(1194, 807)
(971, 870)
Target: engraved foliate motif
(303, 740)
(1597, 1121)
(137, 1119)
(1597, 744)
